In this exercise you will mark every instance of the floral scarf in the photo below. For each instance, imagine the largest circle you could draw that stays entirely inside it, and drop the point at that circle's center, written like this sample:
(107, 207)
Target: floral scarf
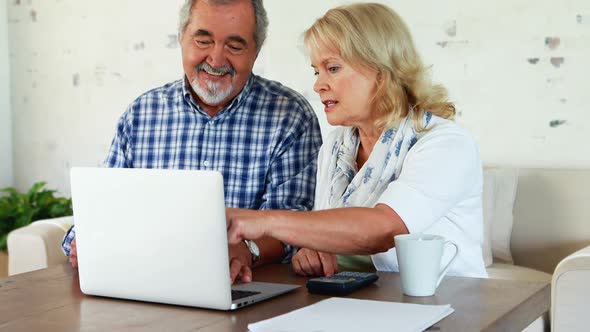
(344, 186)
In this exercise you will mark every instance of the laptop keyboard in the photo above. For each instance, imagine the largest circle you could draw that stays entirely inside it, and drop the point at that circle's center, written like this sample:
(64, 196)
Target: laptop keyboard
(239, 294)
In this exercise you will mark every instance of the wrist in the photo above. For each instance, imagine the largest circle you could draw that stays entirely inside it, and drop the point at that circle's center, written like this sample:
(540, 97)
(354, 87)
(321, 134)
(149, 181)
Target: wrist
(274, 222)
(278, 225)
(253, 251)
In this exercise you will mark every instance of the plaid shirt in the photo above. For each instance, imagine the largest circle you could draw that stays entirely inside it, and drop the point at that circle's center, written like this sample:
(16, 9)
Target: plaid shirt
(265, 143)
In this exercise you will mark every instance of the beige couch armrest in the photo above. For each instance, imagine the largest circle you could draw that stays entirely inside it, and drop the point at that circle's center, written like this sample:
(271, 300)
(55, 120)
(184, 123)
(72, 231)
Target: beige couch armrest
(570, 293)
(37, 245)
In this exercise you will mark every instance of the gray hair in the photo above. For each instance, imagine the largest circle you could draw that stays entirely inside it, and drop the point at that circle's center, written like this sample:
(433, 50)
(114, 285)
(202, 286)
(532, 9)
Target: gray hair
(259, 12)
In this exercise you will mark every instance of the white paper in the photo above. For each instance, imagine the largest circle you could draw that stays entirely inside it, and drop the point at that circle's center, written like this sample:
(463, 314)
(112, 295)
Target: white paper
(343, 314)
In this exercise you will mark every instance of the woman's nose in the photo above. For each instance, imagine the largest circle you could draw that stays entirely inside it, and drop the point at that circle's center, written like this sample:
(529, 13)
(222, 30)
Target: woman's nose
(320, 84)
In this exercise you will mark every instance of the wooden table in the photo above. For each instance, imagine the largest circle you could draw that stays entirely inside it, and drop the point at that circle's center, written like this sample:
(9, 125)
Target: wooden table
(3, 264)
(50, 300)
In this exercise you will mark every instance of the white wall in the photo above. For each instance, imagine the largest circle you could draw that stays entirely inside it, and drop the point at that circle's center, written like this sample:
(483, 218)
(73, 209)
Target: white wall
(73, 74)
(77, 66)
(493, 58)
(6, 178)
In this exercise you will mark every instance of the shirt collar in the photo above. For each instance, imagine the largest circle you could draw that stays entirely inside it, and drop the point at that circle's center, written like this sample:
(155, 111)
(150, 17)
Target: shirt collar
(237, 101)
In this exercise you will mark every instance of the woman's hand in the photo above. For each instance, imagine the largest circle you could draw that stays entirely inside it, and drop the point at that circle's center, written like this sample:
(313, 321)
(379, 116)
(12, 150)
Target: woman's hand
(309, 263)
(243, 224)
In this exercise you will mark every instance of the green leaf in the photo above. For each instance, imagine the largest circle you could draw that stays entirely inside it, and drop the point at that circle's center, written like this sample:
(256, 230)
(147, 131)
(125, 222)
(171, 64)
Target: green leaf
(44, 198)
(3, 238)
(9, 190)
(24, 219)
(35, 188)
(20, 209)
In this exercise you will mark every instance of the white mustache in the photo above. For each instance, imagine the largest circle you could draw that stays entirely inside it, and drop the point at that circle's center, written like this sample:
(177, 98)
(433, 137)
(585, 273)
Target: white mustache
(216, 71)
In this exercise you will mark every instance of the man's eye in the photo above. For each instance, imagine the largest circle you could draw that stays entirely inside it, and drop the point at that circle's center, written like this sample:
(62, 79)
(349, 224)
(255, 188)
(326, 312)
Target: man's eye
(202, 43)
(235, 49)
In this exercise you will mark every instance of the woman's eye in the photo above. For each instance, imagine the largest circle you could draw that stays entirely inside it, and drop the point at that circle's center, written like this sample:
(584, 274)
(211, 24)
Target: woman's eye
(333, 69)
(316, 73)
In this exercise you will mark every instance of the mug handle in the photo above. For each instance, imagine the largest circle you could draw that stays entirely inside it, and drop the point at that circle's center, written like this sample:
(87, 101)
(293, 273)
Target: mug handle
(444, 271)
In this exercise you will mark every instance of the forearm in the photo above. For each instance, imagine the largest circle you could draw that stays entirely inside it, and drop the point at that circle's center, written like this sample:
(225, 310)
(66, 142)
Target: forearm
(342, 231)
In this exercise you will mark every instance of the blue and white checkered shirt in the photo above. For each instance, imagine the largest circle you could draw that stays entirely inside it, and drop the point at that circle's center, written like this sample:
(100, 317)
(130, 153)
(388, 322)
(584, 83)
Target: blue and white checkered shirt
(265, 143)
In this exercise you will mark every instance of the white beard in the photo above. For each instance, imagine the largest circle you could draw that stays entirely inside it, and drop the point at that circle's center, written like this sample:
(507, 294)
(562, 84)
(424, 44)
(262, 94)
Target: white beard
(213, 95)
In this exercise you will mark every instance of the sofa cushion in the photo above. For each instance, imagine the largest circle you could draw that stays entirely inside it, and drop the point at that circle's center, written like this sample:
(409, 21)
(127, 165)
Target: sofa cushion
(37, 245)
(499, 192)
(515, 272)
(488, 210)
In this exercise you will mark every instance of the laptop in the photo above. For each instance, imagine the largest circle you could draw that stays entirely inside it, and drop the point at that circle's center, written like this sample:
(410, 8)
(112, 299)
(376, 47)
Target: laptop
(159, 236)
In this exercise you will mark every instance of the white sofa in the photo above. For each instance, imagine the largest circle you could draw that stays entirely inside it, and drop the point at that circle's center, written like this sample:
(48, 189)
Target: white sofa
(537, 230)
(38, 245)
(534, 219)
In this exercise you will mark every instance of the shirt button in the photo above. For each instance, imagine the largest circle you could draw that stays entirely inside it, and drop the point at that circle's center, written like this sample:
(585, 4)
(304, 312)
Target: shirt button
(206, 163)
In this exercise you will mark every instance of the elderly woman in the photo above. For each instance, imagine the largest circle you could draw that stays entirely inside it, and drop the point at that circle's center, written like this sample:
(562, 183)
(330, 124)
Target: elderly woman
(396, 164)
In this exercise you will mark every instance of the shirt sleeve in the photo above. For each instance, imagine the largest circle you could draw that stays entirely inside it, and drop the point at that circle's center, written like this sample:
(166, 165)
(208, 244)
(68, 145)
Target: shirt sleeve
(441, 170)
(117, 156)
(66, 243)
(292, 174)
(291, 177)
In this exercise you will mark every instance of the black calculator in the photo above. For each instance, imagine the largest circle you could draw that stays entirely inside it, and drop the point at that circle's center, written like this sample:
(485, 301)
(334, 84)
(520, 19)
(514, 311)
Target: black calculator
(341, 283)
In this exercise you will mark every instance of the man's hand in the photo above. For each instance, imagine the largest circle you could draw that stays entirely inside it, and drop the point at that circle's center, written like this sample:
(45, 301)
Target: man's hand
(309, 263)
(74, 254)
(240, 261)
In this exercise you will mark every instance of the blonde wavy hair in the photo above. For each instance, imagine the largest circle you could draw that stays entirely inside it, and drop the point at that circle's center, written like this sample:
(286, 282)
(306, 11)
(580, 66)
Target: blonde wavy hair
(374, 36)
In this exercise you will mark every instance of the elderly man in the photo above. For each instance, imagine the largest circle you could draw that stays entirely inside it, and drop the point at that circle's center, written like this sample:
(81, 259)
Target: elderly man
(262, 136)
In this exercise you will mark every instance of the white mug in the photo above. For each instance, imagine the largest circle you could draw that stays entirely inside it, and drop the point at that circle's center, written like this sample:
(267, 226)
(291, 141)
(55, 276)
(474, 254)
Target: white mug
(419, 259)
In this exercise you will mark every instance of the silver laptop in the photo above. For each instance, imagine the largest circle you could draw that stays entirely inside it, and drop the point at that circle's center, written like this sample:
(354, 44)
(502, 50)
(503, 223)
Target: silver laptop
(158, 236)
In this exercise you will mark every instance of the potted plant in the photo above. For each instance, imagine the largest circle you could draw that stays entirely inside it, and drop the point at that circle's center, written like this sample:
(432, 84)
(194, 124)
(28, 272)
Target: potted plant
(20, 209)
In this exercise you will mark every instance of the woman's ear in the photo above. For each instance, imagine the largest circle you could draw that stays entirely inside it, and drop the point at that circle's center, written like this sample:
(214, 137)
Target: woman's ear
(380, 78)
